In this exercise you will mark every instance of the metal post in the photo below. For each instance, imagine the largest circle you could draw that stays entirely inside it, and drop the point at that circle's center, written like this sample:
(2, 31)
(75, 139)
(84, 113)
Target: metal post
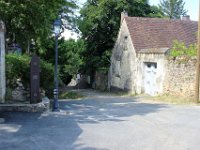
(198, 63)
(55, 92)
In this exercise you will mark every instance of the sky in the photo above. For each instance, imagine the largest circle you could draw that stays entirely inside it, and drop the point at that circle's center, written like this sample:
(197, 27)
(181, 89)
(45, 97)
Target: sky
(192, 6)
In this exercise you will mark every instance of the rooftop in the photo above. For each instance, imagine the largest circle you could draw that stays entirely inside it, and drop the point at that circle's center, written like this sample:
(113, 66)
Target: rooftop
(156, 33)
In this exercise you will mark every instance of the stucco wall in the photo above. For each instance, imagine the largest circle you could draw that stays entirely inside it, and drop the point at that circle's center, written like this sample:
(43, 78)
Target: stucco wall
(180, 77)
(161, 61)
(123, 66)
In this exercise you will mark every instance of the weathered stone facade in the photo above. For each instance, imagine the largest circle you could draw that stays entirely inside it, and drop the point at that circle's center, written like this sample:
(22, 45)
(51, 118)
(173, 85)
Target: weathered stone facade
(123, 63)
(180, 77)
(2, 63)
(139, 61)
(127, 67)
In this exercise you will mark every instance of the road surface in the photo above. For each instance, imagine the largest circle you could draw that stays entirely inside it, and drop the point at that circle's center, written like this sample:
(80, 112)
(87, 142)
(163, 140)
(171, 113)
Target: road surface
(103, 122)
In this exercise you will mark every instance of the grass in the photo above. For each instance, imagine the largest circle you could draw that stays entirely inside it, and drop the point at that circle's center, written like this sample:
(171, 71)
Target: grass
(173, 99)
(70, 95)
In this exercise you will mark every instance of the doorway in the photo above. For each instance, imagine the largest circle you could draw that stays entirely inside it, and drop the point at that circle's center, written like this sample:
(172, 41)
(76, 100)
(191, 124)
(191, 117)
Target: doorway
(150, 70)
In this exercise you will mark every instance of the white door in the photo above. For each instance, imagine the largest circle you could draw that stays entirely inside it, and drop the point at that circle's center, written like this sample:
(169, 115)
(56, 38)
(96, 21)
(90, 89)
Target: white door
(150, 78)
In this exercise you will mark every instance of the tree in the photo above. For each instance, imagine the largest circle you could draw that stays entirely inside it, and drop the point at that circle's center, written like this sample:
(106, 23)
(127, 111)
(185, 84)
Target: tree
(99, 23)
(70, 59)
(173, 8)
(31, 21)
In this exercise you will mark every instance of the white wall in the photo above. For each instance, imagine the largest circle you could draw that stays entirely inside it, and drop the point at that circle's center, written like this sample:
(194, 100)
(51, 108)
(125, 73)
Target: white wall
(161, 61)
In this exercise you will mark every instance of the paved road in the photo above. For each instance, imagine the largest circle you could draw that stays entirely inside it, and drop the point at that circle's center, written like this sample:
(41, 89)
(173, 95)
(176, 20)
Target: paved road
(103, 122)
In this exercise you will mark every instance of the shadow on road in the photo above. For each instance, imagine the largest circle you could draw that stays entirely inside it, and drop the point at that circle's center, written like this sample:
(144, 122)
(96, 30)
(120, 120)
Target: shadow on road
(107, 109)
(60, 131)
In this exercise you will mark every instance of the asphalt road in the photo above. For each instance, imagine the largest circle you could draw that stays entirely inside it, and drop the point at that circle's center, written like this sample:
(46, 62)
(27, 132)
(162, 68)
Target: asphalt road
(103, 122)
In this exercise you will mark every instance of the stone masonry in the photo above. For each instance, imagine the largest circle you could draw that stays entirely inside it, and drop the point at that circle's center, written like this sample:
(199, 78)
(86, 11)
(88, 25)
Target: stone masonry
(180, 77)
(2, 63)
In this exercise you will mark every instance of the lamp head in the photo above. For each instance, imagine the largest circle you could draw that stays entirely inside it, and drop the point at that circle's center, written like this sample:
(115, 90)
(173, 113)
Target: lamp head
(57, 26)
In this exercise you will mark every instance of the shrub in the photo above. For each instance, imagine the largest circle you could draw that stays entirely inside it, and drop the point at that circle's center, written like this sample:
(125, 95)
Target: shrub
(46, 75)
(180, 49)
(18, 67)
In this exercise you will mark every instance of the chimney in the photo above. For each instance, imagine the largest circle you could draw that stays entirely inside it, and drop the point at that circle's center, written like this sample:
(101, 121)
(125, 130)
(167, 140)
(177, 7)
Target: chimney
(123, 14)
(185, 18)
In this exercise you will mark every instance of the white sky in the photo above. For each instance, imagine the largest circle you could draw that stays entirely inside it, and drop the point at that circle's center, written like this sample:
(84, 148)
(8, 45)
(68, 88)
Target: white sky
(191, 5)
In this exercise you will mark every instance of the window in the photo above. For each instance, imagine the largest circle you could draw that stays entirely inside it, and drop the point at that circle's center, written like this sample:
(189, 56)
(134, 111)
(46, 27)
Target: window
(151, 64)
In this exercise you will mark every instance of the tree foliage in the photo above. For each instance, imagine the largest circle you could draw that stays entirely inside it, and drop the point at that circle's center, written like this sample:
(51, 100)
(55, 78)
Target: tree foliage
(99, 24)
(30, 21)
(70, 59)
(173, 8)
(180, 49)
(18, 67)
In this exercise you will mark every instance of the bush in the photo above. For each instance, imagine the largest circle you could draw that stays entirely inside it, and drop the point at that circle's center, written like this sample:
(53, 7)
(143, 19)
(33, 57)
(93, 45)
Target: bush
(180, 49)
(46, 75)
(18, 67)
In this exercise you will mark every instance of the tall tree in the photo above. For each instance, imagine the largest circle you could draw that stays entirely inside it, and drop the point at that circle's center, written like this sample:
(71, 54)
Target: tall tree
(99, 24)
(70, 56)
(30, 21)
(173, 8)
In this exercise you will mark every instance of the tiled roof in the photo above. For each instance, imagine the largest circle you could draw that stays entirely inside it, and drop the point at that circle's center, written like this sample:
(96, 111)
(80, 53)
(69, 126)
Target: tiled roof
(158, 33)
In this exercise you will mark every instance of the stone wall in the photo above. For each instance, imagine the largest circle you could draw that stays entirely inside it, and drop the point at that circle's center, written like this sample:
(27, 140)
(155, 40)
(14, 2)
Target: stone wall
(101, 81)
(180, 77)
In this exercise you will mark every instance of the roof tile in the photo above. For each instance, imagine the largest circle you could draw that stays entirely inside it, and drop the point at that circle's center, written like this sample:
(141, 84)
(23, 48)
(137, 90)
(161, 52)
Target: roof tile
(159, 33)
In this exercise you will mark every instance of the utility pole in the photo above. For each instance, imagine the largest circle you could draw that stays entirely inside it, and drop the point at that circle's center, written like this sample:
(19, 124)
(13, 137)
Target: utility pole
(198, 62)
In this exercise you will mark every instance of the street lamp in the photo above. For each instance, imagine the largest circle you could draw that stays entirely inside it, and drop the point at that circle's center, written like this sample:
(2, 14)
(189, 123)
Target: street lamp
(57, 30)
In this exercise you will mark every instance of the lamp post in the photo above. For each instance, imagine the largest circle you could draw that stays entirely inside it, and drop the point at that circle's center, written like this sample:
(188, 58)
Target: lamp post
(57, 28)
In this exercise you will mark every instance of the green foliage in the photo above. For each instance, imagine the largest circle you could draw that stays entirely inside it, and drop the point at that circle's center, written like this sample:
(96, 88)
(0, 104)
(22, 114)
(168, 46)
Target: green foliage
(173, 8)
(46, 75)
(18, 67)
(99, 24)
(31, 21)
(180, 49)
(70, 58)
(8, 95)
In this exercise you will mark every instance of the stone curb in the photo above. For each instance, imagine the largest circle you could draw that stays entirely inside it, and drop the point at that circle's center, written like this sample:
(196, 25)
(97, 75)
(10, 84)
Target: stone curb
(40, 107)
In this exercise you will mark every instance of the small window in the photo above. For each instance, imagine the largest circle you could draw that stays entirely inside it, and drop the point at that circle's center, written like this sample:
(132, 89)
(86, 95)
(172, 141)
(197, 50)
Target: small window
(150, 64)
(125, 43)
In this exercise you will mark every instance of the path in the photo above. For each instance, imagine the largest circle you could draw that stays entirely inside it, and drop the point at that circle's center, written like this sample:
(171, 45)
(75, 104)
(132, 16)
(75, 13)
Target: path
(103, 122)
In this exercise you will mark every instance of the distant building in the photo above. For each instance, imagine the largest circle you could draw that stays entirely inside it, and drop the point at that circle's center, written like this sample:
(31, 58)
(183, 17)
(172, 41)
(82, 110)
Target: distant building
(139, 59)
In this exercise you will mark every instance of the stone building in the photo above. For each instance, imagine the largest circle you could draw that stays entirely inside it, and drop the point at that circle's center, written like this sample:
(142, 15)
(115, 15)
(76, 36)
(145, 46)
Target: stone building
(139, 61)
(2, 63)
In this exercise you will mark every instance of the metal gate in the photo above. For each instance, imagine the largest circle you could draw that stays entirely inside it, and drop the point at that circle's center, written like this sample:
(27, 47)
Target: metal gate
(150, 70)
